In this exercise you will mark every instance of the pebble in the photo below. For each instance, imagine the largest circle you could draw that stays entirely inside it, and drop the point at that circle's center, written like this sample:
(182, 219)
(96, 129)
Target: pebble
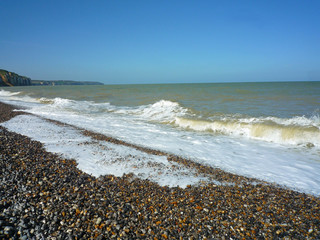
(44, 196)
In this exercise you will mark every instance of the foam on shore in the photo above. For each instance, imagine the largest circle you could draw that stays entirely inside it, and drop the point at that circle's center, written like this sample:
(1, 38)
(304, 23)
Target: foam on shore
(100, 157)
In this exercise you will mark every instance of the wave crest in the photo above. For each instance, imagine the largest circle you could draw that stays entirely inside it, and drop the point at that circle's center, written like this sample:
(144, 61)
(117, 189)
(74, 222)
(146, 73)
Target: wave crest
(295, 131)
(162, 111)
(4, 93)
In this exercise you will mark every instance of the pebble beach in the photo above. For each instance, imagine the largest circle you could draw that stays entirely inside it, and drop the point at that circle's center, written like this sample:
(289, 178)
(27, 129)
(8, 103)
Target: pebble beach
(44, 196)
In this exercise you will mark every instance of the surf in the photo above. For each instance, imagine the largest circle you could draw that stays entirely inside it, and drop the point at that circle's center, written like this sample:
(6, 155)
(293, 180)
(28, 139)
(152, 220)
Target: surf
(270, 134)
(282, 131)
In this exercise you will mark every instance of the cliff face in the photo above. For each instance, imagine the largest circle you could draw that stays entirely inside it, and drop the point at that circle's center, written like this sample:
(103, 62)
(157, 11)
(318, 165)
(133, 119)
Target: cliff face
(13, 79)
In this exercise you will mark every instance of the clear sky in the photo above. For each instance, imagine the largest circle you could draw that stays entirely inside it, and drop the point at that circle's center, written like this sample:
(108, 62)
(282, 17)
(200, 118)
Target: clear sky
(151, 41)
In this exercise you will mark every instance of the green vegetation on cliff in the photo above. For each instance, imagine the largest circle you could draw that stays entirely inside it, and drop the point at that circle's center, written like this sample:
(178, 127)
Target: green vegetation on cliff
(2, 72)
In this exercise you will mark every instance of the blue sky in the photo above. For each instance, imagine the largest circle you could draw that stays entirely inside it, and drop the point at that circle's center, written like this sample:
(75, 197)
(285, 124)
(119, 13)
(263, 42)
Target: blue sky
(161, 41)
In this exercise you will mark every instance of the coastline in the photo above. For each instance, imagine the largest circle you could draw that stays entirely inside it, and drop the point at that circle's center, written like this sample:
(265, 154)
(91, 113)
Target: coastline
(44, 195)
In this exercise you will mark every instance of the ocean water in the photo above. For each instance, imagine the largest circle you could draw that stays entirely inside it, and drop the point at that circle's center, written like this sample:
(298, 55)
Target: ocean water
(269, 131)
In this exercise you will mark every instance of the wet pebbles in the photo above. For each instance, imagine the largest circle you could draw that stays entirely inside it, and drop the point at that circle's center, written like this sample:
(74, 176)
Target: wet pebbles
(43, 196)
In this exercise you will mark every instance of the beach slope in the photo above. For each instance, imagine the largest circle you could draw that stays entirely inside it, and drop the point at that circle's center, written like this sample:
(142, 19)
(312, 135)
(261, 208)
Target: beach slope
(43, 195)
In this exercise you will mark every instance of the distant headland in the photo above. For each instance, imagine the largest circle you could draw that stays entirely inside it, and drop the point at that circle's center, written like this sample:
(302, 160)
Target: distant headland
(62, 82)
(11, 79)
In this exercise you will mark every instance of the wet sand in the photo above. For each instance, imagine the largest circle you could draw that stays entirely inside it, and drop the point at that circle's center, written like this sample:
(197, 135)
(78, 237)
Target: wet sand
(45, 196)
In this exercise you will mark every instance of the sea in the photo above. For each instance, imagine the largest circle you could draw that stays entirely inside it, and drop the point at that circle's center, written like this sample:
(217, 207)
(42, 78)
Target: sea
(266, 130)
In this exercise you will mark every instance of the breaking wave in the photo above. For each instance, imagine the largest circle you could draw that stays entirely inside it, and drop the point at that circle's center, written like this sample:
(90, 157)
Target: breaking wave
(163, 111)
(4, 93)
(299, 130)
(296, 131)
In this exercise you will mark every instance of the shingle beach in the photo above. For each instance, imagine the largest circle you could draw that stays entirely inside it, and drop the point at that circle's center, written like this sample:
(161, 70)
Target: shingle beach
(43, 196)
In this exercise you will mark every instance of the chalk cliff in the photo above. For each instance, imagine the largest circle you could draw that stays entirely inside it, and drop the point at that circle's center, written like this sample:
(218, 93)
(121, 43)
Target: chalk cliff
(12, 79)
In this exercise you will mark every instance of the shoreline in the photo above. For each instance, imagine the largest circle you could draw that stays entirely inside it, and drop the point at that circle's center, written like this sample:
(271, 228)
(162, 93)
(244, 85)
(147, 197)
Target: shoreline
(44, 195)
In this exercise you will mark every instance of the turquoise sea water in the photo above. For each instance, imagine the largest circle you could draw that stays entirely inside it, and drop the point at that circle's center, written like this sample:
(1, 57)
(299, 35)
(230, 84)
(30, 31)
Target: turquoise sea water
(266, 130)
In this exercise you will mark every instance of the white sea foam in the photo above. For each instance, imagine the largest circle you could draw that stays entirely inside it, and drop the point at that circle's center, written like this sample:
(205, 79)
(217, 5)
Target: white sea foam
(292, 131)
(300, 121)
(296, 131)
(101, 158)
(262, 161)
(161, 111)
(4, 93)
(15, 98)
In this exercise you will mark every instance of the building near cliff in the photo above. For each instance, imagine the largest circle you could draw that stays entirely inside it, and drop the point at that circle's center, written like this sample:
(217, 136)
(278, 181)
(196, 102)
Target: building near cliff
(12, 79)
